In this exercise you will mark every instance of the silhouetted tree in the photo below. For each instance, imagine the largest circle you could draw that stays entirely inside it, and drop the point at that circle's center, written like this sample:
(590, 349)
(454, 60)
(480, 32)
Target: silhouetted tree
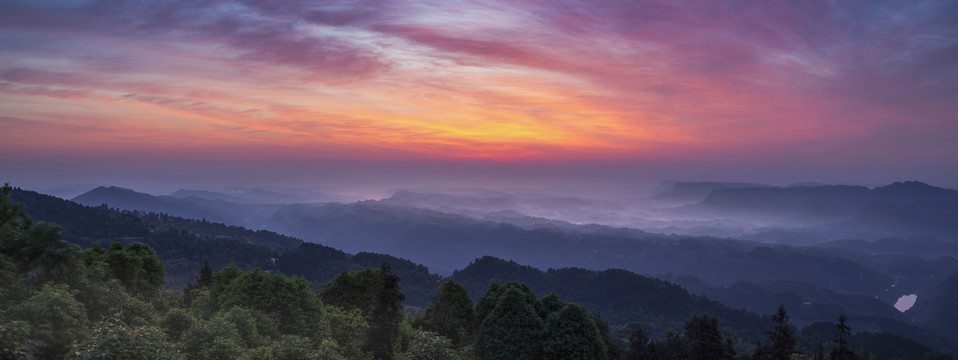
(385, 316)
(782, 339)
(841, 351)
(639, 347)
(704, 340)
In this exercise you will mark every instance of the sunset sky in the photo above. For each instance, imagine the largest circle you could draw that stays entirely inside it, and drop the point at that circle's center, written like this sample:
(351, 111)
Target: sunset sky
(206, 92)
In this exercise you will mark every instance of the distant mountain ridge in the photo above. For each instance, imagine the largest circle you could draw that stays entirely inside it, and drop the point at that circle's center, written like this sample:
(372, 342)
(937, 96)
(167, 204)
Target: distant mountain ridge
(816, 198)
(901, 208)
(695, 191)
(127, 199)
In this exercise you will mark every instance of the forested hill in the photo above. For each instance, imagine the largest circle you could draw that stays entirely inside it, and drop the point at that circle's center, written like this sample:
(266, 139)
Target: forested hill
(619, 296)
(185, 244)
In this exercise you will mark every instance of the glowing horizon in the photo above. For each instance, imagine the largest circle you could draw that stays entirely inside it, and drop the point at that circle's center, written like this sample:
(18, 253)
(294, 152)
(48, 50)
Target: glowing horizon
(861, 87)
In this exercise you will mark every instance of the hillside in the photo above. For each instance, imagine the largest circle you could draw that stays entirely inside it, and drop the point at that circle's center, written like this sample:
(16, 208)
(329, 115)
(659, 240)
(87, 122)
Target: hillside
(185, 244)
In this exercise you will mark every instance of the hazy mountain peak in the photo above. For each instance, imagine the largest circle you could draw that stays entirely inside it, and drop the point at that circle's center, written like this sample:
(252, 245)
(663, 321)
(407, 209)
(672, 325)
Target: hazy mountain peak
(102, 192)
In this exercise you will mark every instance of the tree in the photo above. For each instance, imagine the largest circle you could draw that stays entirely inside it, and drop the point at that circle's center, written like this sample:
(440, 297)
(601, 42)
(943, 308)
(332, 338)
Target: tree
(137, 268)
(704, 340)
(512, 330)
(203, 280)
(639, 347)
(290, 301)
(613, 350)
(385, 316)
(451, 313)
(213, 339)
(426, 345)
(114, 339)
(353, 290)
(548, 305)
(490, 299)
(570, 333)
(782, 339)
(56, 319)
(348, 329)
(841, 351)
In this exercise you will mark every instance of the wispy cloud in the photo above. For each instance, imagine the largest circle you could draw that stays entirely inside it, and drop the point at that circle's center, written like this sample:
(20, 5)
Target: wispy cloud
(520, 80)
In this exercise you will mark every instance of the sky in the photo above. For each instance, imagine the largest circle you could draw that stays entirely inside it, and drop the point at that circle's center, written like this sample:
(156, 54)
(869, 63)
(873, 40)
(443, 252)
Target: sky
(194, 93)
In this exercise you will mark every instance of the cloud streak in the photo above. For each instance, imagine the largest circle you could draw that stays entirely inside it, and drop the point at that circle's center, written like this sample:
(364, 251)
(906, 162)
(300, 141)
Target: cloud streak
(516, 81)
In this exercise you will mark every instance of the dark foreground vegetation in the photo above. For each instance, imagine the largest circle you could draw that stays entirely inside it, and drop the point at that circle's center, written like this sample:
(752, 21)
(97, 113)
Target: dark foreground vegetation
(61, 300)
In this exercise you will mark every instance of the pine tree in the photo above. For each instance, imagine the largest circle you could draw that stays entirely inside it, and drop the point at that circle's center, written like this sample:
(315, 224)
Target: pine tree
(385, 317)
(841, 351)
(704, 340)
(206, 275)
(782, 339)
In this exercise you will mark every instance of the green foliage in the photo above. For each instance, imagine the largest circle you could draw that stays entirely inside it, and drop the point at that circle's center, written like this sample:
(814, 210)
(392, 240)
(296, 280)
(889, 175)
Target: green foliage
(213, 339)
(571, 333)
(203, 305)
(290, 301)
(137, 268)
(15, 342)
(353, 290)
(426, 345)
(112, 338)
(385, 316)
(137, 312)
(11, 287)
(512, 330)
(38, 252)
(166, 300)
(348, 329)
(12, 216)
(451, 314)
(549, 304)
(490, 299)
(255, 328)
(56, 319)
(612, 349)
(294, 347)
(176, 322)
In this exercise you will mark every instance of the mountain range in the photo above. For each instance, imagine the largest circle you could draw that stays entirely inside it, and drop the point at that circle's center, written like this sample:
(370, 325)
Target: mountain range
(860, 277)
